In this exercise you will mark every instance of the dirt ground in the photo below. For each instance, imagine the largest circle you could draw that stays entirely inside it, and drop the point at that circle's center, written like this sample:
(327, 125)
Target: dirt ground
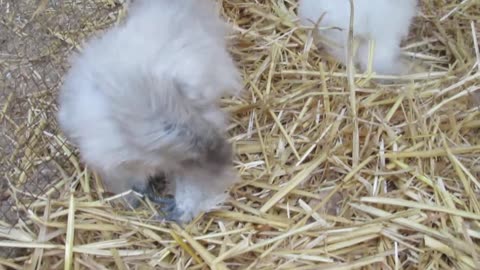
(36, 38)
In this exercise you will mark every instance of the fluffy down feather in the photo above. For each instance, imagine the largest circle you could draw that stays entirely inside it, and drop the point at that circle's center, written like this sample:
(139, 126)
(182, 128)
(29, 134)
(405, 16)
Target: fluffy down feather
(386, 22)
(142, 99)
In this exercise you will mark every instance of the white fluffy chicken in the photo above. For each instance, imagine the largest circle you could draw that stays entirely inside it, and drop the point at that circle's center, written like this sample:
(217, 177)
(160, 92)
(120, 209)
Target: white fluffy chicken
(141, 102)
(385, 22)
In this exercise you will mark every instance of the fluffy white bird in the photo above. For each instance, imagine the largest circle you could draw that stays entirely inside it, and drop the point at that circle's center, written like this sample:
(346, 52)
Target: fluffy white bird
(141, 101)
(385, 22)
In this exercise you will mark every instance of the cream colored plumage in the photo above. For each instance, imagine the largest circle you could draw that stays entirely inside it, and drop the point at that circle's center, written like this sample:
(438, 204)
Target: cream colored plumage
(142, 99)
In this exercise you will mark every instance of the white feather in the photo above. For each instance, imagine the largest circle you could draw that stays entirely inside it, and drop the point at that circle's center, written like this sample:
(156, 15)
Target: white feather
(142, 97)
(386, 22)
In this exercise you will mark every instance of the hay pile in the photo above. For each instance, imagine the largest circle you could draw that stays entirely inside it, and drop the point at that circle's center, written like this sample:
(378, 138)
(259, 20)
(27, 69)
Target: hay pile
(335, 175)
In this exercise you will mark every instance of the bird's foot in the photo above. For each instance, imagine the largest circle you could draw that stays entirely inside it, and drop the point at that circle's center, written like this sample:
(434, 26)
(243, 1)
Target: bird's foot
(169, 210)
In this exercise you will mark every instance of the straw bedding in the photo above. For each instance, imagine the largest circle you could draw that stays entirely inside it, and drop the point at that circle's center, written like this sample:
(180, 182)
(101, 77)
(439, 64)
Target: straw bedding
(338, 171)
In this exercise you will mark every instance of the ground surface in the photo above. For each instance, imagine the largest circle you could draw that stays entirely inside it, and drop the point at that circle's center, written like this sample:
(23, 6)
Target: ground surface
(387, 178)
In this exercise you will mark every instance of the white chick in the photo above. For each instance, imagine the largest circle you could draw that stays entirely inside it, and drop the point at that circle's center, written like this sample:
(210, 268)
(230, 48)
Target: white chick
(385, 22)
(141, 100)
